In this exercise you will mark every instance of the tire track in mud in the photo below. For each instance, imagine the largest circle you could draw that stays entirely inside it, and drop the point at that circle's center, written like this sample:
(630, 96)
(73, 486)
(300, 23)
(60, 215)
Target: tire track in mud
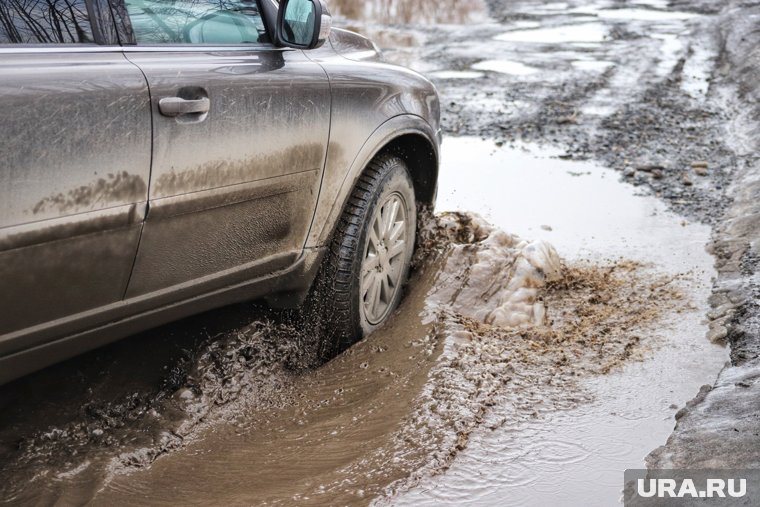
(655, 110)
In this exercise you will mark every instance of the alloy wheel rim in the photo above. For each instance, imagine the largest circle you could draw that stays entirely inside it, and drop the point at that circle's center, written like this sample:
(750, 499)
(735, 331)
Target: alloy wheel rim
(384, 258)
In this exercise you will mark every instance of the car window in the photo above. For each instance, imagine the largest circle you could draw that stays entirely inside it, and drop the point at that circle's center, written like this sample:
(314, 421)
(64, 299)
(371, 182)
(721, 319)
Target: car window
(44, 22)
(196, 21)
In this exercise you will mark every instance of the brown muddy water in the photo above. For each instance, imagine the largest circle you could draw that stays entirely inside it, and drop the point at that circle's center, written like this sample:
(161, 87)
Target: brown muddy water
(515, 368)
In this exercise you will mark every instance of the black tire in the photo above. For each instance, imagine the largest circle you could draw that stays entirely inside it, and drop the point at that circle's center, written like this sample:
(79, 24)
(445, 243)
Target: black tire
(337, 307)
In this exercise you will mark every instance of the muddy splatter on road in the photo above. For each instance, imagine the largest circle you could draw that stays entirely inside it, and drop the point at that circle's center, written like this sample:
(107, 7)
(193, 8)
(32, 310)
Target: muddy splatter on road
(489, 318)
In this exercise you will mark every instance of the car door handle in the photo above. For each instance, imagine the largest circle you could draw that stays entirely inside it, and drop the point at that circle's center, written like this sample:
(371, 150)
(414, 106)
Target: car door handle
(176, 106)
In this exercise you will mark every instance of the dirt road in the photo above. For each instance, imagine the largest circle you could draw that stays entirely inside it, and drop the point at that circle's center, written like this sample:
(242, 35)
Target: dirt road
(665, 93)
(564, 335)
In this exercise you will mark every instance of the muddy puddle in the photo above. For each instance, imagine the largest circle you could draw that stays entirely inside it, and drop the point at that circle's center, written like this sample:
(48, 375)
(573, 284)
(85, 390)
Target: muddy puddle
(620, 416)
(520, 364)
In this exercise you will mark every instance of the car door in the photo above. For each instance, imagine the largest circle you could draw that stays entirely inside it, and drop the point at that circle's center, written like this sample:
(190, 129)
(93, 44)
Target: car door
(240, 132)
(74, 169)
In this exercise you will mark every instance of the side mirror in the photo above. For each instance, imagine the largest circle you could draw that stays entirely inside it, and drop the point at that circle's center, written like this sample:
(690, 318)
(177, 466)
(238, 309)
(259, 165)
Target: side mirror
(303, 24)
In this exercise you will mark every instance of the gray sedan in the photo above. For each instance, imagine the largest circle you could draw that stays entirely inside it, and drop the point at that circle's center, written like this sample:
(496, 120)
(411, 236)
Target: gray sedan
(165, 157)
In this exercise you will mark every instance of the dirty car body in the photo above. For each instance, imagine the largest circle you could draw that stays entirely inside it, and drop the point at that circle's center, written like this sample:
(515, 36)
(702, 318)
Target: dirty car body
(154, 167)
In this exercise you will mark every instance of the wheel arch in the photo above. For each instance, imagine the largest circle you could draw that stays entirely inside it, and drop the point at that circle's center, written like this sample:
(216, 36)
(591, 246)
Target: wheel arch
(421, 159)
(407, 136)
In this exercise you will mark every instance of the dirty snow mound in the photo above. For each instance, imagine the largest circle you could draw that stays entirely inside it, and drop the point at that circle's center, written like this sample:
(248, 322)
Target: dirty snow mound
(498, 279)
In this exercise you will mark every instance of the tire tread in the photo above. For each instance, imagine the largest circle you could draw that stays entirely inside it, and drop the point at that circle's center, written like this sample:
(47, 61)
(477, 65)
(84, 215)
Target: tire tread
(336, 314)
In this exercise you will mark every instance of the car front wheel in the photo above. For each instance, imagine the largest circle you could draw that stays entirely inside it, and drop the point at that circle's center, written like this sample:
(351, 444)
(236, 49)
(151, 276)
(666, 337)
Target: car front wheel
(362, 277)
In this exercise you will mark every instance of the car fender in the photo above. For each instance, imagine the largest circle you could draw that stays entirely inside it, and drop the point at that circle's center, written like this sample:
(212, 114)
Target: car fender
(338, 183)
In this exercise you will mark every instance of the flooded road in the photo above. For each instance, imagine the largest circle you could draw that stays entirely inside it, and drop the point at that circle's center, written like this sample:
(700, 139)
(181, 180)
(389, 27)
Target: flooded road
(553, 328)
(451, 401)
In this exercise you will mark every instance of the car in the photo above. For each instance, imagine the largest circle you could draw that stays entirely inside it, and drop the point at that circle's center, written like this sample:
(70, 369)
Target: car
(161, 158)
